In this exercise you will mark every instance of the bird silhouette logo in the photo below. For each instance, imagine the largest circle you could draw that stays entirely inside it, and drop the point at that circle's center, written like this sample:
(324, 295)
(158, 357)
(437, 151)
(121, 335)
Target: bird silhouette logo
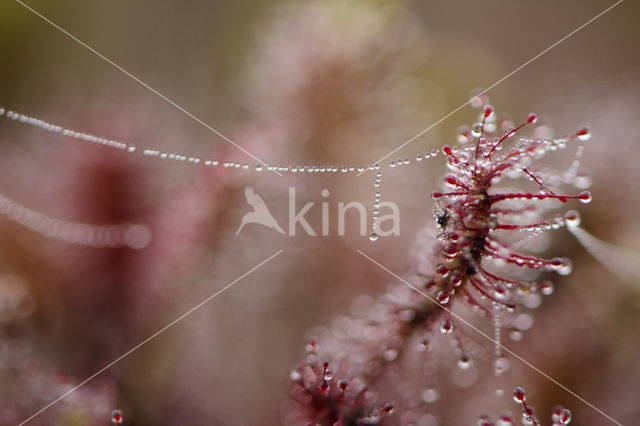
(260, 213)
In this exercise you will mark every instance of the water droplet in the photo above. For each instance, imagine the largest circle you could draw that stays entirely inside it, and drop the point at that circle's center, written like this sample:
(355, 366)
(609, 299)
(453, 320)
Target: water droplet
(532, 118)
(476, 130)
(424, 345)
(117, 417)
(311, 346)
(430, 395)
(443, 297)
(451, 250)
(546, 288)
(295, 375)
(390, 354)
(582, 182)
(488, 111)
(464, 362)
(387, 408)
(572, 218)
(523, 321)
(583, 134)
(528, 416)
(500, 365)
(446, 327)
(566, 268)
(479, 99)
(373, 236)
(464, 135)
(519, 395)
(328, 375)
(585, 197)
(442, 270)
(561, 416)
(484, 420)
(499, 392)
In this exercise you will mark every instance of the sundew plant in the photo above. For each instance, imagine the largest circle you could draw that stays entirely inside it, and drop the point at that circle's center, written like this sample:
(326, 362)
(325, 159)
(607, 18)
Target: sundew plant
(310, 213)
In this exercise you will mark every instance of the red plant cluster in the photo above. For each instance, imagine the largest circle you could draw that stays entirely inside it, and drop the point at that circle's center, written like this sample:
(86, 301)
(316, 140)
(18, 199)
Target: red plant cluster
(474, 262)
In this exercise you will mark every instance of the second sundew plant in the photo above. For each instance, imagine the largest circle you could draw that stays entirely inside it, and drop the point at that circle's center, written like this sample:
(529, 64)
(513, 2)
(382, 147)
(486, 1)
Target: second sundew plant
(477, 259)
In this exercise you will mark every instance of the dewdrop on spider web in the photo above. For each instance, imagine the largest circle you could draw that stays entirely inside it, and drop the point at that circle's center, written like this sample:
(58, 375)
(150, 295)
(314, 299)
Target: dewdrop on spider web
(196, 160)
(373, 236)
(227, 164)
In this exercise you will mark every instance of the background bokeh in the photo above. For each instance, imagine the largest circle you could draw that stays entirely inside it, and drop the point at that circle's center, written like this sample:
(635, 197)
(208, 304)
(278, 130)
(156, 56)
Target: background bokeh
(294, 82)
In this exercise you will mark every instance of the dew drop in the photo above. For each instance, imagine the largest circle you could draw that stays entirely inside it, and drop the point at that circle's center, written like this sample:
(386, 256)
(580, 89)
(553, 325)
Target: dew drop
(295, 375)
(532, 118)
(311, 346)
(442, 270)
(546, 288)
(390, 354)
(585, 197)
(464, 362)
(328, 375)
(446, 327)
(572, 218)
(484, 420)
(373, 236)
(561, 416)
(582, 182)
(387, 408)
(424, 345)
(476, 130)
(566, 268)
(430, 395)
(443, 297)
(488, 111)
(583, 134)
(519, 395)
(464, 136)
(500, 365)
(117, 417)
(528, 416)
(479, 100)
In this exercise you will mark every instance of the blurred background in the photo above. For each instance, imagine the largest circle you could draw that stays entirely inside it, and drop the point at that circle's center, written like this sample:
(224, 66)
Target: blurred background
(293, 82)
